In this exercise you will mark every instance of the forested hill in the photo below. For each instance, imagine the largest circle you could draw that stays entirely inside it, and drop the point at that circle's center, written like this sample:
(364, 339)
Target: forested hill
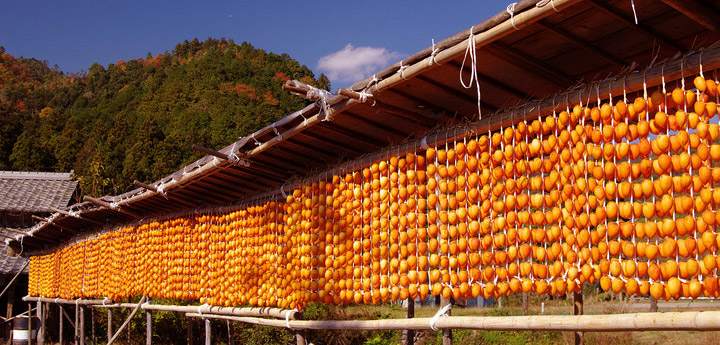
(137, 119)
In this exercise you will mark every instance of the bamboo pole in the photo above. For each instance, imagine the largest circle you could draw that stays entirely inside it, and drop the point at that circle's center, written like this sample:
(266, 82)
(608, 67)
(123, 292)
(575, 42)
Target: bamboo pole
(41, 331)
(60, 316)
(669, 321)
(109, 326)
(82, 325)
(208, 333)
(410, 334)
(148, 325)
(127, 321)
(29, 326)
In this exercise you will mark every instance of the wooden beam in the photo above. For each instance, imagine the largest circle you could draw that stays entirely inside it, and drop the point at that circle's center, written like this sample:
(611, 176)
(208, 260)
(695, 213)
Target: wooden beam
(576, 41)
(353, 135)
(113, 207)
(334, 143)
(210, 152)
(492, 82)
(402, 112)
(530, 64)
(699, 11)
(79, 216)
(610, 11)
(376, 124)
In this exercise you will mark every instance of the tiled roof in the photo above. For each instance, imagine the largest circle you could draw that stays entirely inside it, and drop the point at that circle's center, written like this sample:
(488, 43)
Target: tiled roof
(35, 191)
(11, 264)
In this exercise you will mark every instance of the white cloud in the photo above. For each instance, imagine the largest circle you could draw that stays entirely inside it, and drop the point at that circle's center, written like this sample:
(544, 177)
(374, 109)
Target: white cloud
(352, 64)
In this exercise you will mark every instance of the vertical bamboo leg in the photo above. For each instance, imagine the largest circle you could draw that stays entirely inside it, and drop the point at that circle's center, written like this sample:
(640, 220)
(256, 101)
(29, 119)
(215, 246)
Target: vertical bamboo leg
(109, 328)
(77, 324)
(410, 334)
(148, 326)
(61, 317)
(207, 332)
(29, 323)
(41, 331)
(525, 303)
(300, 333)
(82, 325)
(190, 330)
(92, 325)
(231, 340)
(578, 310)
(447, 333)
(653, 304)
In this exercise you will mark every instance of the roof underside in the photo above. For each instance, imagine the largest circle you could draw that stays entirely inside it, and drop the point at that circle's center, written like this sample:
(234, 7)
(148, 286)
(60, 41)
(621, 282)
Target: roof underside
(551, 52)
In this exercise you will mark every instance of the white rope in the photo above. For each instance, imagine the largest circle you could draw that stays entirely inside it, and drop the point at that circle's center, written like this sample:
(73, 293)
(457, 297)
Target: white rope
(275, 130)
(105, 299)
(200, 308)
(424, 143)
(113, 205)
(364, 97)
(433, 53)
(511, 11)
(632, 3)
(373, 80)
(441, 312)
(256, 141)
(402, 69)
(545, 2)
(282, 190)
(287, 317)
(470, 51)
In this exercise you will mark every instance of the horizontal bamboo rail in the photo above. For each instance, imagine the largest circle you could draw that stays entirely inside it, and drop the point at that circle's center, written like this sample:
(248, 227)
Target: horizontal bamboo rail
(200, 309)
(671, 321)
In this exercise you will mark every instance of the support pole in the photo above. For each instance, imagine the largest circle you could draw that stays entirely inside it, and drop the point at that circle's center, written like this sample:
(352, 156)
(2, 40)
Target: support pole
(77, 324)
(300, 338)
(189, 330)
(231, 340)
(92, 326)
(41, 315)
(61, 317)
(410, 334)
(207, 332)
(12, 281)
(525, 303)
(82, 325)
(109, 328)
(447, 333)
(653, 304)
(30, 317)
(578, 310)
(117, 334)
(148, 325)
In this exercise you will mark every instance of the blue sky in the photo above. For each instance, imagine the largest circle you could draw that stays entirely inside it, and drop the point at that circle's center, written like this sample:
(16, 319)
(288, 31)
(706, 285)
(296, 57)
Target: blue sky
(356, 38)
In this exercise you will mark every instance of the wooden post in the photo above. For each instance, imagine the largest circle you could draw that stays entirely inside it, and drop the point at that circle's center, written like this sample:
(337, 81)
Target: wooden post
(410, 334)
(92, 325)
(9, 313)
(190, 330)
(61, 317)
(82, 325)
(207, 332)
(41, 330)
(148, 326)
(525, 303)
(109, 328)
(231, 340)
(77, 313)
(447, 333)
(578, 310)
(653, 304)
(300, 333)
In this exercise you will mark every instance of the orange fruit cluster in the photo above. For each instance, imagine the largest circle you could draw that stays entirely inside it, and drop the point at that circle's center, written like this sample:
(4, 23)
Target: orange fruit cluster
(618, 192)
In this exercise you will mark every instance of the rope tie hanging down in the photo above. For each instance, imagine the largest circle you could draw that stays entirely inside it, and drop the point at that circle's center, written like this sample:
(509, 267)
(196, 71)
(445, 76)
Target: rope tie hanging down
(434, 52)
(511, 11)
(471, 53)
(287, 317)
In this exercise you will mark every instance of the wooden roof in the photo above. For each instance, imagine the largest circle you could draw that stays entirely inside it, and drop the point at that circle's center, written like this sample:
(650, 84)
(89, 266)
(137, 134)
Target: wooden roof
(539, 50)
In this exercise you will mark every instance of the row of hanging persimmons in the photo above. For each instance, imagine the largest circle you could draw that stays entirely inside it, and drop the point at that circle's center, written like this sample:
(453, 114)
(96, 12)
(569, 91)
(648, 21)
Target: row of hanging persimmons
(621, 193)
